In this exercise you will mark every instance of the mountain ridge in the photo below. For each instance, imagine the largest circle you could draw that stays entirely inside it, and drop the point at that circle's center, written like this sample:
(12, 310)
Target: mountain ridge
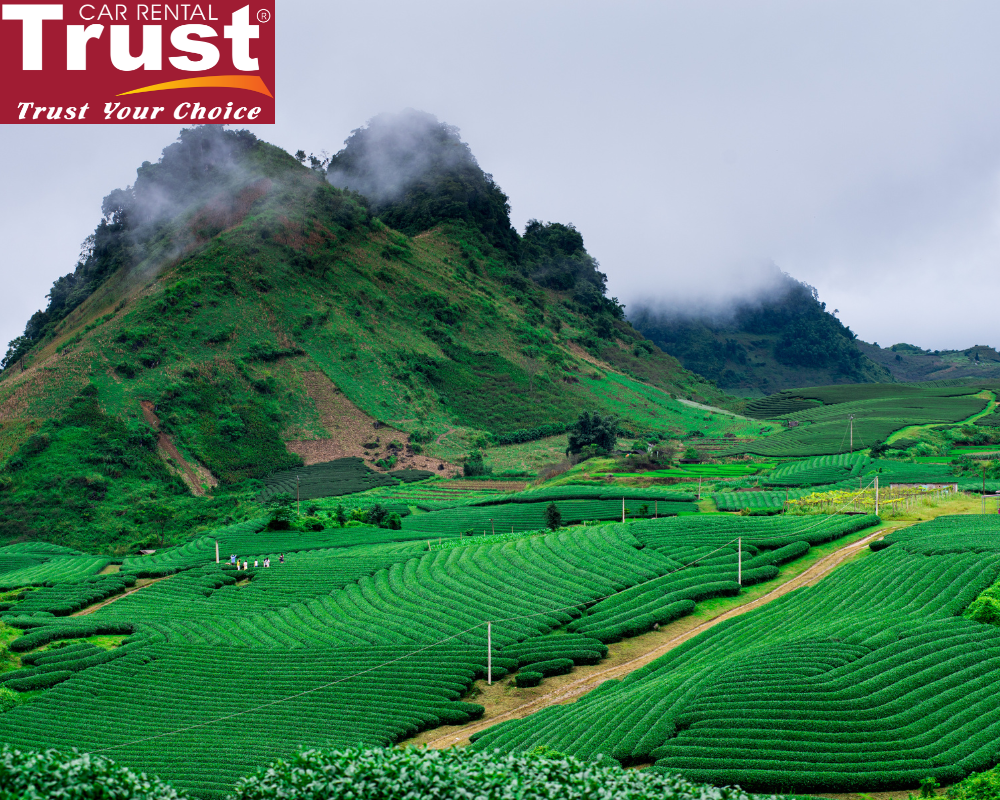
(210, 307)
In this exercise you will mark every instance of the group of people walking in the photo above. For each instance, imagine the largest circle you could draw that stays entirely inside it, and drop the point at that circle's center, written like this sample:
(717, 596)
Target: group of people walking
(245, 565)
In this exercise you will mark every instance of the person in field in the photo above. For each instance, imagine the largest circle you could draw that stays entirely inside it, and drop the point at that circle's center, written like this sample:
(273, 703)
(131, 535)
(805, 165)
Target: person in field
(255, 564)
(281, 559)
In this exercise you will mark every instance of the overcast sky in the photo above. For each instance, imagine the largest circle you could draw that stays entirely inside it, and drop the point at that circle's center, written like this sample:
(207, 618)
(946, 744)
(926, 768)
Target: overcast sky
(855, 145)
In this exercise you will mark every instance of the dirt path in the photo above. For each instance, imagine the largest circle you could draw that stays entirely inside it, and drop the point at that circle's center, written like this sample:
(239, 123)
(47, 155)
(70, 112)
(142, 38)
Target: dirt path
(145, 583)
(573, 690)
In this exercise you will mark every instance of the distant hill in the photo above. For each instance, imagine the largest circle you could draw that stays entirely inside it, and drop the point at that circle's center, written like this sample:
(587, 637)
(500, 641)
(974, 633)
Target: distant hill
(907, 362)
(764, 345)
(235, 314)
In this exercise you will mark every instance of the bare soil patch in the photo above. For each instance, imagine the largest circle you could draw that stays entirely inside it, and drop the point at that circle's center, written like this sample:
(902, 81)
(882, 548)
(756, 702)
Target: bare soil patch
(351, 429)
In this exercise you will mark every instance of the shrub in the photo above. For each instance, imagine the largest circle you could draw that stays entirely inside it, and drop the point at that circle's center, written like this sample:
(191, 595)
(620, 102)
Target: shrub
(527, 679)
(41, 681)
(978, 786)
(32, 773)
(555, 666)
(475, 466)
(8, 699)
(391, 774)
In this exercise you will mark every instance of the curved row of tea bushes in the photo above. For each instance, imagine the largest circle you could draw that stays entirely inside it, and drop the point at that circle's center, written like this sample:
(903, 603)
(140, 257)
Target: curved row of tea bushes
(59, 569)
(958, 534)
(340, 697)
(590, 492)
(818, 470)
(328, 479)
(530, 516)
(869, 680)
(580, 649)
(766, 533)
(65, 599)
(42, 631)
(50, 670)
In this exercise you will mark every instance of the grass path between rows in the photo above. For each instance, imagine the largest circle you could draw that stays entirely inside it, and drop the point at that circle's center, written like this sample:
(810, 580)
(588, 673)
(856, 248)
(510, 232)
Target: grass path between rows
(504, 702)
(911, 431)
(140, 584)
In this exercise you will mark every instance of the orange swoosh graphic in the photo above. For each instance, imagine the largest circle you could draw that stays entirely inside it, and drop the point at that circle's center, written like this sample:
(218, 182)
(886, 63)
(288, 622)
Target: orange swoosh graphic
(251, 82)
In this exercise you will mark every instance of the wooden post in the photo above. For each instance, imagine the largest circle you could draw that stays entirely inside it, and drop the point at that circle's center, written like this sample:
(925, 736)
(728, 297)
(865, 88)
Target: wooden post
(489, 653)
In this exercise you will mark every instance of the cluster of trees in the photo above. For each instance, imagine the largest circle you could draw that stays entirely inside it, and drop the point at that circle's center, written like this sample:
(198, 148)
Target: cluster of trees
(553, 256)
(594, 434)
(796, 330)
(416, 173)
(284, 516)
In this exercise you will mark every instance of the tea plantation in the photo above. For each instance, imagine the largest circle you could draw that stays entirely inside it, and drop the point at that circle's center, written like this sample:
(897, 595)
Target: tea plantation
(214, 672)
(869, 680)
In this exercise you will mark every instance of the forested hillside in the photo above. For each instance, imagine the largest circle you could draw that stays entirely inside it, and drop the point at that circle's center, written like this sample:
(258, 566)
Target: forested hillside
(780, 341)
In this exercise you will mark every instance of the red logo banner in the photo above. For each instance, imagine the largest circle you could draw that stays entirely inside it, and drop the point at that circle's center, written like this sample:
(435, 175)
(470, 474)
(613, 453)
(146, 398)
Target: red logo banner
(125, 63)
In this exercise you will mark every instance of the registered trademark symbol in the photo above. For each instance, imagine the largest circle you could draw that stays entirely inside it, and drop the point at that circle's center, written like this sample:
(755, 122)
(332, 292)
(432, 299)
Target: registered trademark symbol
(263, 15)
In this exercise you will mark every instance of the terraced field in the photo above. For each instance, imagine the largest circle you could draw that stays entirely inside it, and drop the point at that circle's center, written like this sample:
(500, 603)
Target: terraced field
(869, 680)
(362, 645)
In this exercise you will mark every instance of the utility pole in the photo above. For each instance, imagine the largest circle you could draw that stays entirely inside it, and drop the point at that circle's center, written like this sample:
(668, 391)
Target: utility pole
(851, 418)
(984, 489)
(216, 551)
(489, 653)
(876, 495)
(699, 489)
(623, 509)
(739, 561)
(493, 530)
(298, 505)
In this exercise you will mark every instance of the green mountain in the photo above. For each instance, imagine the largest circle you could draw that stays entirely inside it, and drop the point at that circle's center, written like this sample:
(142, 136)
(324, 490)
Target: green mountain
(236, 314)
(766, 345)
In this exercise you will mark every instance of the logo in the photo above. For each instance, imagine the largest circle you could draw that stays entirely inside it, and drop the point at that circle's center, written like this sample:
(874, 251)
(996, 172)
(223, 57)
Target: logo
(145, 63)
